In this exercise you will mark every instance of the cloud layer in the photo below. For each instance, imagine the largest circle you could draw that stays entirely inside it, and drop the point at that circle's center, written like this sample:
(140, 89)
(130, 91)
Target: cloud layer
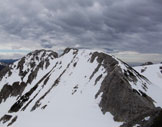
(113, 25)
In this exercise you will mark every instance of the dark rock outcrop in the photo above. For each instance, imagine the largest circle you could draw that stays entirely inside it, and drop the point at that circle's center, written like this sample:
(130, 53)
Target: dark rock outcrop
(151, 118)
(2, 67)
(4, 71)
(118, 97)
(12, 90)
(5, 118)
(12, 121)
(41, 56)
(126, 104)
(156, 120)
(147, 63)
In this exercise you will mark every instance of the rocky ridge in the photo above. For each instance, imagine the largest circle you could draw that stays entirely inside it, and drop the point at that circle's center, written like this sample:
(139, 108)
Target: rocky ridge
(122, 91)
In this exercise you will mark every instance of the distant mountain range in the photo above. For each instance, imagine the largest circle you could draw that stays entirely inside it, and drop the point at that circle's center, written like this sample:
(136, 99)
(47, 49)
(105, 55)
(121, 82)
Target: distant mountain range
(79, 88)
(8, 61)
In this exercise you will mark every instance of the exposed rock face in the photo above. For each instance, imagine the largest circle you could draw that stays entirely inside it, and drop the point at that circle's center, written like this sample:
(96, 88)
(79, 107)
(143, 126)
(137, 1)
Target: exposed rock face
(2, 67)
(33, 62)
(147, 63)
(118, 96)
(5, 118)
(12, 90)
(152, 118)
(40, 72)
(155, 120)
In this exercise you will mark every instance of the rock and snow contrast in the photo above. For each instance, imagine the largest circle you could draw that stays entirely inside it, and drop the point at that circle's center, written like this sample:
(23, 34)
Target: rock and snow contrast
(79, 88)
(154, 74)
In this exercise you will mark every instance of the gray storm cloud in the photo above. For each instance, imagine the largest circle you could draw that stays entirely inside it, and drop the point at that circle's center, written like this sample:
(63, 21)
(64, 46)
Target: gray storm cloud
(122, 25)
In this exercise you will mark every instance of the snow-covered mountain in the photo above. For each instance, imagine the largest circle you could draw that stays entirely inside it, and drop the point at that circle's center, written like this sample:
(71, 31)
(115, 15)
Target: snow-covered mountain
(152, 72)
(80, 88)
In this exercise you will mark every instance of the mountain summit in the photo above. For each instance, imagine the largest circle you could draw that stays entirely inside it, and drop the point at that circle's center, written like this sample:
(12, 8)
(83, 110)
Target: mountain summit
(79, 88)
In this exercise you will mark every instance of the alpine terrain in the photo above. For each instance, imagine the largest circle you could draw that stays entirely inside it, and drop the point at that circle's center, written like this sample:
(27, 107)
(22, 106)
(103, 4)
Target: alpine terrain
(152, 72)
(79, 88)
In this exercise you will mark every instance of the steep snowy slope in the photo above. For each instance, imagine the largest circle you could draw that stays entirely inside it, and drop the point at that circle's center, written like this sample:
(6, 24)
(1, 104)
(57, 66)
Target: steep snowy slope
(154, 74)
(79, 88)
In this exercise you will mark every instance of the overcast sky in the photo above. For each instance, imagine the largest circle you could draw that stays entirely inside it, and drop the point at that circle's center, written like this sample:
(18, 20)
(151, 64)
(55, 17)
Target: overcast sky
(130, 29)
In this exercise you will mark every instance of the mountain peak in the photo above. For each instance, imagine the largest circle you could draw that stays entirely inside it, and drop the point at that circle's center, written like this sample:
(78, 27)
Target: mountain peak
(83, 82)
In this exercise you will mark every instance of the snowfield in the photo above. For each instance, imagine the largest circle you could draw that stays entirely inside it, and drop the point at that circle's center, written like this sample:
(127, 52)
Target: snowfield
(154, 74)
(70, 103)
(61, 91)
